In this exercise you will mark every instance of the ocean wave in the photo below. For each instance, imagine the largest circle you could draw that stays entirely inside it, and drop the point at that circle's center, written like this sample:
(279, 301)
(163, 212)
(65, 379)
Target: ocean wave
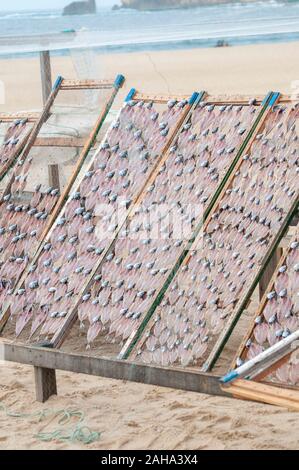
(29, 15)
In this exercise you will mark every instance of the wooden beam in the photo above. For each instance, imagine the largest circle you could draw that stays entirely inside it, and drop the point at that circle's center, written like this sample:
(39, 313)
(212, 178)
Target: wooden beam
(45, 383)
(70, 142)
(188, 380)
(213, 99)
(37, 127)
(61, 334)
(46, 74)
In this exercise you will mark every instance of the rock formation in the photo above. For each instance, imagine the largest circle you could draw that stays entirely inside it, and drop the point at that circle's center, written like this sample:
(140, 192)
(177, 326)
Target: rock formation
(80, 8)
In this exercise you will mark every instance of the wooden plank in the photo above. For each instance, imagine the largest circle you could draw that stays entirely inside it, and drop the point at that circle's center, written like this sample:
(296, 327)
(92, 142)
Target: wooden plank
(265, 394)
(46, 74)
(193, 381)
(45, 383)
(270, 269)
(70, 142)
(61, 334)
(213, 99)
(54, 176)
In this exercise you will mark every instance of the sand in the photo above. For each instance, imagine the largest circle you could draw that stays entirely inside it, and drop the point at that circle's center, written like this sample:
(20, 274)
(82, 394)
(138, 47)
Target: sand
(135, 416)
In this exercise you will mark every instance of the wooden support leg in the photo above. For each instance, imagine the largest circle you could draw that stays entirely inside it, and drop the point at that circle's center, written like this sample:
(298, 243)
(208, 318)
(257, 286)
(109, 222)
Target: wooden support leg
(54, 176)
(46, 76)
(269, 271)
(45, 383)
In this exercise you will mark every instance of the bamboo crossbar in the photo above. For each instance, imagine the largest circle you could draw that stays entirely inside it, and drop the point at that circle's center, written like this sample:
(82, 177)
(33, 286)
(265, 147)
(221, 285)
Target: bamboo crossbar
(212, 99)
(11, 117)
(88, 144)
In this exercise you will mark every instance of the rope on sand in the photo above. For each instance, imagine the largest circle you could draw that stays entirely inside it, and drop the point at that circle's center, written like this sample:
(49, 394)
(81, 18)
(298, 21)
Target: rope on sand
(78, 433)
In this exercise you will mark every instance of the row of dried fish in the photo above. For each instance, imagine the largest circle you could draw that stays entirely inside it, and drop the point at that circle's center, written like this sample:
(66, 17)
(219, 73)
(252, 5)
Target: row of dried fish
(279, 317)
(119, 170)
(226, 257)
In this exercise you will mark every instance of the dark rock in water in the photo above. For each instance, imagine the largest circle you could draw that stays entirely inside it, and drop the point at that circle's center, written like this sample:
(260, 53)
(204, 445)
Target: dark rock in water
(80, 8)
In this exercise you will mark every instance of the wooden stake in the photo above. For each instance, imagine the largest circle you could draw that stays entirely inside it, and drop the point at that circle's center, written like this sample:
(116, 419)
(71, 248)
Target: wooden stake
(54, 176)
(45, 383)
(46, 75)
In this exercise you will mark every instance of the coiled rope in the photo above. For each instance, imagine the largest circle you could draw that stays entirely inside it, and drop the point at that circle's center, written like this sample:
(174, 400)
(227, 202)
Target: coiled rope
(77, 433)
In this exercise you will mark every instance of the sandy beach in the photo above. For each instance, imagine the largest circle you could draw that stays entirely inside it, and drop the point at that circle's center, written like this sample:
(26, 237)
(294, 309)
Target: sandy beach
(242, 69)
(135, 416)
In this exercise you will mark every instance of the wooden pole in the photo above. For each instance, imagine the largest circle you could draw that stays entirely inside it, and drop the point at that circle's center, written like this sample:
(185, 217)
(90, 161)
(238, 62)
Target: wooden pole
(46, 75)
(54, 176)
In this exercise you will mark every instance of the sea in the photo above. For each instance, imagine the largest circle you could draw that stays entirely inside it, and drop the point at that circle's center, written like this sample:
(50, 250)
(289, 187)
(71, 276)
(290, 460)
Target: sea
(125, 30)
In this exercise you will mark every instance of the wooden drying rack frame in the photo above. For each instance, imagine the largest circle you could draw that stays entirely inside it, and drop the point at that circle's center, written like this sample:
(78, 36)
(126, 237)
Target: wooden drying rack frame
(46, 360)
(63, 84)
